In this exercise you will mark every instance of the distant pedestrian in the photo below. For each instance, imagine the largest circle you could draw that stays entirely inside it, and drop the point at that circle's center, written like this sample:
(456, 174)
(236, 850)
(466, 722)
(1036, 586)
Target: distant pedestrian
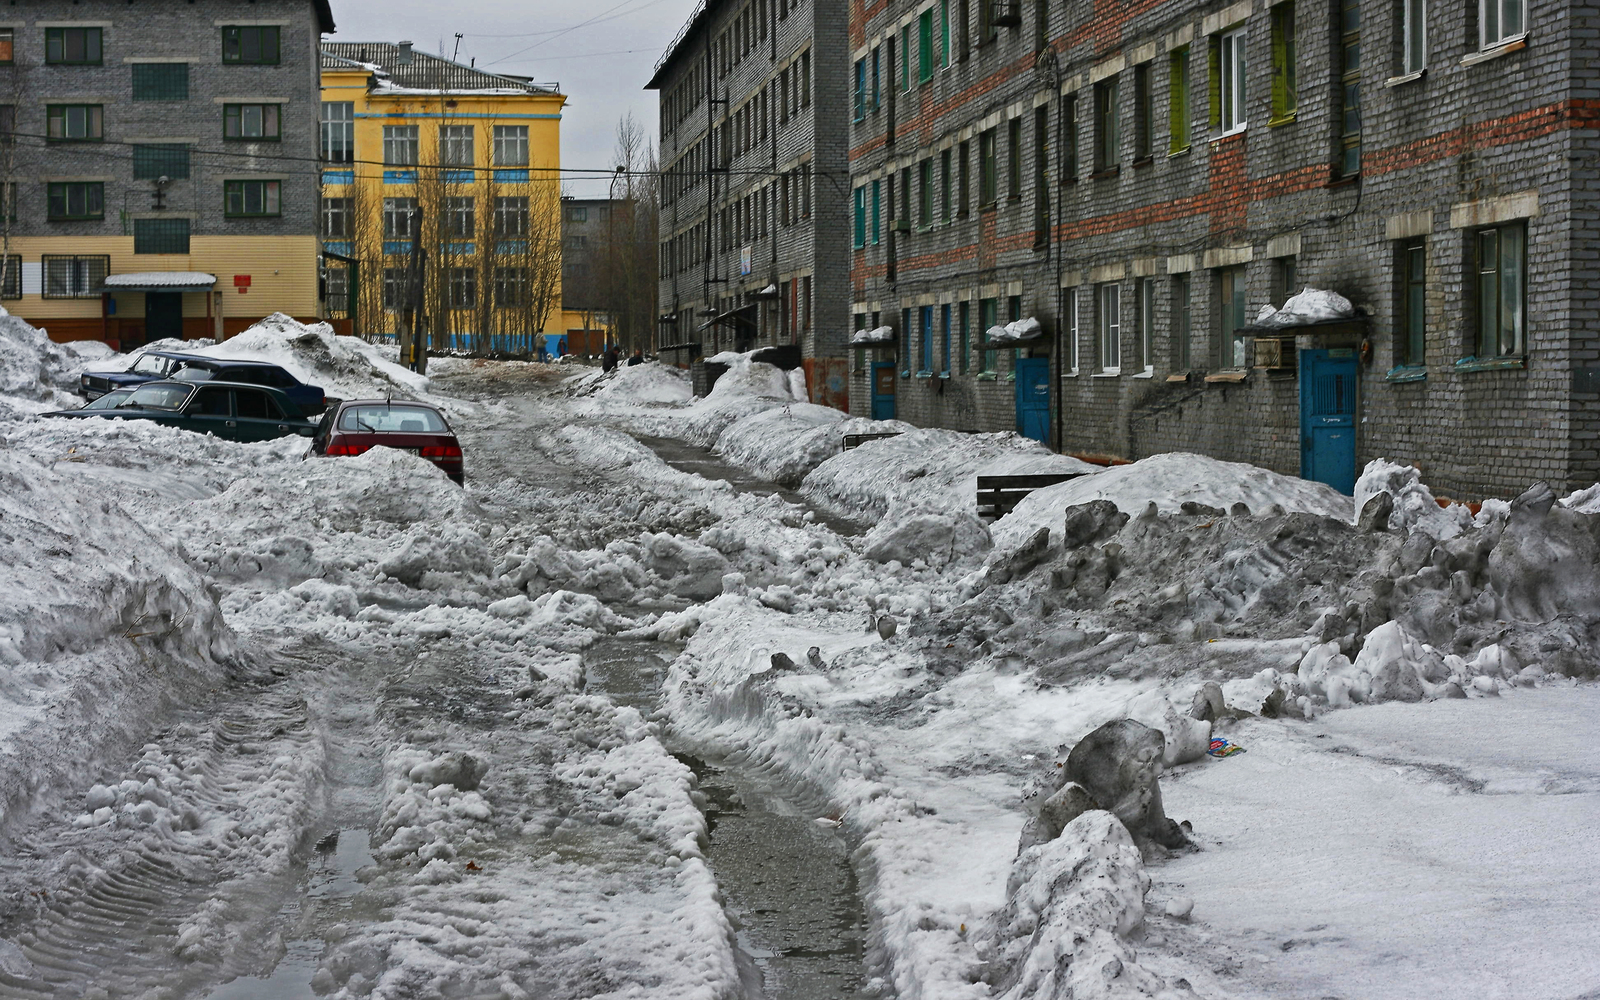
(539, 349)
(637, 359)
(608, 360)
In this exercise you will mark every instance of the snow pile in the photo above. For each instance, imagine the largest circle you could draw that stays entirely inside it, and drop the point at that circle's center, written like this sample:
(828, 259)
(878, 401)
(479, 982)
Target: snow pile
(877, 335)
(102, 625)
(1312, 305)
(935, 471)
(785, 443)
(1169, 481)
(35, 372)
(1415, 508)
(649, 384)
(345, 367)
(1585, 501)
(1016, 332)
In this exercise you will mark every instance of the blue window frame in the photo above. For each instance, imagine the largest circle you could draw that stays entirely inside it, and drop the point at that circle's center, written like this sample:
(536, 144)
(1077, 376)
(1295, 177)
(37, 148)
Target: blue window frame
(859, 232)
(944, 322)
(925, 356)
(877, 210)
(905, 336)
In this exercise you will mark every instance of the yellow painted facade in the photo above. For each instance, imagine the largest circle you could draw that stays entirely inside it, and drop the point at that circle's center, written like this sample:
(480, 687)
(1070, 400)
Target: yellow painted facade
(368, 183)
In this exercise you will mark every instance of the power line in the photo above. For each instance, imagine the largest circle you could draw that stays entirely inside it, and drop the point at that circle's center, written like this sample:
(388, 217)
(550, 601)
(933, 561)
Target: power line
(593, 20)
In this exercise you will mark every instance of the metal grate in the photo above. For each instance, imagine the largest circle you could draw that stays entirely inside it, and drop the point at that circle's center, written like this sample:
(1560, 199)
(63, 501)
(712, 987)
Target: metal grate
(161, 81)
(160, 236)
(69, 277)
(160, 159)
(1332, 395)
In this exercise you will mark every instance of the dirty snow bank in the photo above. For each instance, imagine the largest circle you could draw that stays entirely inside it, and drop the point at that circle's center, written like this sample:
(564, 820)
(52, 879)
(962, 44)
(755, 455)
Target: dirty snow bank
(102, 624)
(650, 383)
(36, 373)
(785, 443)
(1415, 508)
(346, 367)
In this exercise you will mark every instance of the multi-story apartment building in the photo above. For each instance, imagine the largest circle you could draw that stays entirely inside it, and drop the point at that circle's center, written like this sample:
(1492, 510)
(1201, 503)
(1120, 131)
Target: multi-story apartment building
(586, 233)
(1143, 179)
(753, 244)
(158, 165)
(416, 146)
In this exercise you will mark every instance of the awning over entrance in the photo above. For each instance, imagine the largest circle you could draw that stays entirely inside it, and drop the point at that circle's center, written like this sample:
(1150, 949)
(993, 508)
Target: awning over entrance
(739, 317)
(161, 281)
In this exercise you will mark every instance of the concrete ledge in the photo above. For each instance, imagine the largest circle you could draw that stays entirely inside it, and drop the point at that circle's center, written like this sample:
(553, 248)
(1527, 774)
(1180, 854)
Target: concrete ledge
(1408, 225)
(1226, 17)
(1489, 211)
(1227, 257)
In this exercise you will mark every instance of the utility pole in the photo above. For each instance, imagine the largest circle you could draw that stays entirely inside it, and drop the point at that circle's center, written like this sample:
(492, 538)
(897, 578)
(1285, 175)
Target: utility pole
(413, 321)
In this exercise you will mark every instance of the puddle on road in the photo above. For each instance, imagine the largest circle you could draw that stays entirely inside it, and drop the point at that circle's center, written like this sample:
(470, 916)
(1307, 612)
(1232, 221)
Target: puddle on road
(786, 878)
(689, 458)
(330, 882)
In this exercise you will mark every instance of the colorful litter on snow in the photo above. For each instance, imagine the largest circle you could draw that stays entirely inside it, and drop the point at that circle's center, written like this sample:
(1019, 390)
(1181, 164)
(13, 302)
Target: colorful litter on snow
(1222, 748)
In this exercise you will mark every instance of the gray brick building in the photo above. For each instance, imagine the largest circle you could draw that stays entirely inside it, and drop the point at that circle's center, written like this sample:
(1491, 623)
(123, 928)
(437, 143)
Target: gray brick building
(1144, 179)
(159, 139)
(754, 212)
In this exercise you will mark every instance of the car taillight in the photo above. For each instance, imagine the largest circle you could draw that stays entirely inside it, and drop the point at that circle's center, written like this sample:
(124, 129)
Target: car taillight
(340, 448)
(441, 451)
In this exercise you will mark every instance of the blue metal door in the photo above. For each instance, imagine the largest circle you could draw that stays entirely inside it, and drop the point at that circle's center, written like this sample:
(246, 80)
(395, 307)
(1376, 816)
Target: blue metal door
(1328, 417)
(883, 390)
(1033, 398)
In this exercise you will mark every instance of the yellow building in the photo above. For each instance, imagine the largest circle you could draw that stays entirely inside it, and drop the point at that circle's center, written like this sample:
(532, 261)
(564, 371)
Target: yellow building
(467, 163)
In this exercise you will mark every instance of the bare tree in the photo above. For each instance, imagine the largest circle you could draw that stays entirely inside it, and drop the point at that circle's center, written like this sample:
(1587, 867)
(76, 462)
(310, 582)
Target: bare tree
(625, 263)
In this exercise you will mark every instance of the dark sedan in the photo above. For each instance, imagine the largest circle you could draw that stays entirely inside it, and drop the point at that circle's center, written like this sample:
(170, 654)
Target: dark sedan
(233, 411)
(152, 365)
(147, 367)
(353, 426)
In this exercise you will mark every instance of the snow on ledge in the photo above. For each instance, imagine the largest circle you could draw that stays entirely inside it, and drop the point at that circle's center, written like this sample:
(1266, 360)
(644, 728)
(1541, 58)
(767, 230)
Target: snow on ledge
(162, 279)
(1015, 332)
(877, 335)
(1311, 305)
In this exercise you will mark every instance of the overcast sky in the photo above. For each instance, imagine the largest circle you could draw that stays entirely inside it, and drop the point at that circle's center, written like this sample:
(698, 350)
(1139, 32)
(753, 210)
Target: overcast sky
(602, 52)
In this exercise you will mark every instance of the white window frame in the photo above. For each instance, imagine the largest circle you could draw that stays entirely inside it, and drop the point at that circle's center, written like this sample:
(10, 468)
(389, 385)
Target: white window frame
(1108, 327)
(1145, 309)
(1235, 76)
(1072, 331)
(1492, 31)
(1414, 43)
(511, 145)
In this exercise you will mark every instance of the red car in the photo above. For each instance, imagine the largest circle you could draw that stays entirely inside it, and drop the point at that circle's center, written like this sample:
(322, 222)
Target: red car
(352, 426)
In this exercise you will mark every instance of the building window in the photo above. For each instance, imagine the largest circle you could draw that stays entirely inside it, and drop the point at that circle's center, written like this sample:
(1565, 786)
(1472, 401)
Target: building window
(160, 235)
(1502, 273)
(1228, 79)
(944, 325)
(511, 216)
(1144, 298)
(1107, 135)
(988, 183)
(463, 288)
(74, 277)
(78, 200)
(8, 124)
(338, 131)
(577, 213)
(1181, 327)
(905, 58)
(400, 145)
(461, 217)
(905, 195)
(988, 318)
(250, 44)
(877, 210)
(72, 46)
(511, 287)
(859, 237)
(250, 121)
(511, 145)
(861, 89)
(963, 179)
(1178, 100)
(964, 319)
(876, 100)
(1285, 276)
(1071, 362)
(1284, 93)
(1413, 303)
(925, 194)
(456, 145)
(1500, 21)
(1041, 173)
(944, 186)
(1350, 88)
(154, 160)
(1143, 111)
(11, 287)
(1014, 159)
(805, 79)
(74, 122)
(1108, 326)
(1069, 139)
(394, 287)
(397, 215)
(160, 81)
(251, 198)
(925, 342)
(7, 53)
(1231, 316)
(1415, 31)
(925, 46)
(944, 44)
(337, 216)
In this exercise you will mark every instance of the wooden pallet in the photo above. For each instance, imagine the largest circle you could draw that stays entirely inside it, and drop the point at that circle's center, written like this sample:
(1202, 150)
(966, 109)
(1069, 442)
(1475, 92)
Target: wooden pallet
(857, 440)
(999, 495)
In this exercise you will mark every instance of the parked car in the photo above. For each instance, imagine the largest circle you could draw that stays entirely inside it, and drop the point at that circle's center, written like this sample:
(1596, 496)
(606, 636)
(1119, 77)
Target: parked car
(152, 365)
(308, 398)
(233, 411)
(116, 397)
(351, 427)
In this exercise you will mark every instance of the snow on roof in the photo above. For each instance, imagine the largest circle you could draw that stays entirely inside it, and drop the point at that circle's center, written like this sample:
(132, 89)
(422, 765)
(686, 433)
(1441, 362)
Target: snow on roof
(877, 335)
(1311, 305)
(1015, 332)
(161, 279)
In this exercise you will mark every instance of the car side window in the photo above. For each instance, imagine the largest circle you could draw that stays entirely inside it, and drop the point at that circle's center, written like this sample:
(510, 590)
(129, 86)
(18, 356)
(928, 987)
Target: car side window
(252, 405)
(210, 403)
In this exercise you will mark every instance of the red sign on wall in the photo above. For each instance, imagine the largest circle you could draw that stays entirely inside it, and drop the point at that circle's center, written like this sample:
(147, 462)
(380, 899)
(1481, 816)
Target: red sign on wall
(241, 281)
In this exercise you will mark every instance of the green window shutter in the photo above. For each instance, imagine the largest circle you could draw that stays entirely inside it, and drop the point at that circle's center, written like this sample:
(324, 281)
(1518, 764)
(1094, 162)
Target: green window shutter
(861, 217)
(1214, 80)
(1178, 101)
(925, 46)
(944, 33)
(1283, 96)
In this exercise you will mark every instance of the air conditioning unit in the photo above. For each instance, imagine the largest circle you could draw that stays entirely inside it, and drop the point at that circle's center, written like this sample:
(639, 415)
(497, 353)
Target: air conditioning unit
(1005, 13)
(900, 225)
(1275, 352)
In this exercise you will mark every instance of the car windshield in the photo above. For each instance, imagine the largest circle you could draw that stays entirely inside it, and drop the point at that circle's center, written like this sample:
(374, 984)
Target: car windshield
(194, 374)
(149, 364)
(162, 396)
(109, 400)
(398, 419)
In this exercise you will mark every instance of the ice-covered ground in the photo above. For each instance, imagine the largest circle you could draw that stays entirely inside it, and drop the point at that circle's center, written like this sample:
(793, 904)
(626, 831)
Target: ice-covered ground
(219, 654)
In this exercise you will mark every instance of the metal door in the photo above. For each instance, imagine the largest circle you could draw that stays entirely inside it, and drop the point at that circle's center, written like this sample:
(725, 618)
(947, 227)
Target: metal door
(163, 315)
(1328, 417)
(883, 390)
(1033, 398)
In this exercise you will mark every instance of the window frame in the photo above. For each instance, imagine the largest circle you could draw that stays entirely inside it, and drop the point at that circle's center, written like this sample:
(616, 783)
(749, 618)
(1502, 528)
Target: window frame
(93, 114)
(177, 69)
(1233, 288)
(461, 217)
(235, 113)
(1347, 108)
(1414, 37)
(858, 231)
(925, 46)
(988, 168)
(1482, 331)
(1144, 109)
(458, 146)
(90, 289)
(462, 288)
(1233, 80)
(1144, 309)
(398, 138)
(1285, 81)
(1107, 127)
(343, 128)
(1490, 38)
(173, 163)
(1178, 101)
(64, 190)
(55, 41)
(988, 316)
(188, 236)
(1014, 159)
(261, 31)
(1070, 303)
(340, 207)
(513, 137)
(1182, 321)
(1108, 327)
(1412, 308)
(8, 50)
(392, 212)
